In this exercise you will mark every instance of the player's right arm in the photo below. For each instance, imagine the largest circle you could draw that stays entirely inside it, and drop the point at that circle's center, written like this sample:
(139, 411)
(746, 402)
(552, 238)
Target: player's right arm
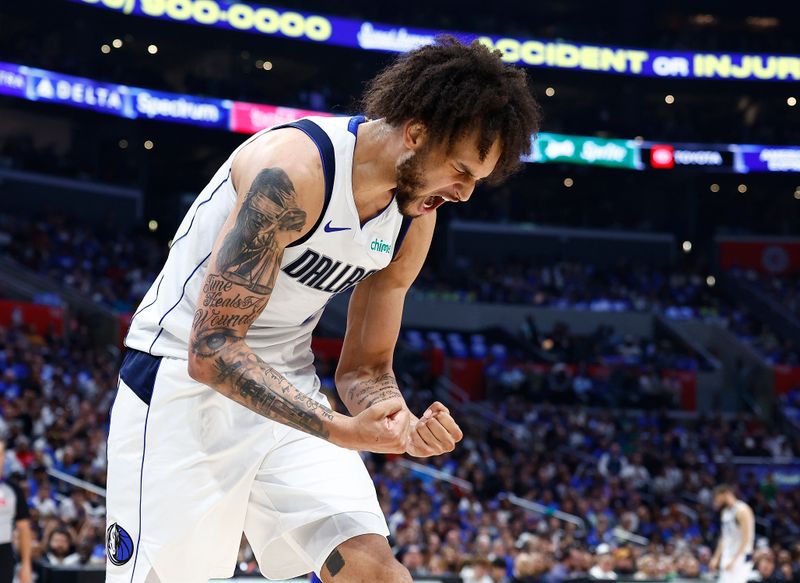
(715, 558)
(279, 186)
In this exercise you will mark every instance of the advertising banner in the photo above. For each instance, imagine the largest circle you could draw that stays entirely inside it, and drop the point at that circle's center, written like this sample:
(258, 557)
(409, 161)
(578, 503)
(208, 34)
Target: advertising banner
(699, 156)
(585, 150)
(349, 32)
(199, 111)
(771, 158)
(785, 378)
(238, 116)
(78, 92)
(770, 256)
(248, 118)
(785, 476)
(12, 80)
(43, 319)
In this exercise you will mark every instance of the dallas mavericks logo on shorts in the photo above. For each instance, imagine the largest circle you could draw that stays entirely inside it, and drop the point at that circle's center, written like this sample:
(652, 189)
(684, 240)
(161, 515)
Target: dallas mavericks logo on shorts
(119, 545)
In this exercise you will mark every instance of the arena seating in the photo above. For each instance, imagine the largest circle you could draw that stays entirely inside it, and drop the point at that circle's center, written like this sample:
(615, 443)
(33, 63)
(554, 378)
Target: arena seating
(642, 473)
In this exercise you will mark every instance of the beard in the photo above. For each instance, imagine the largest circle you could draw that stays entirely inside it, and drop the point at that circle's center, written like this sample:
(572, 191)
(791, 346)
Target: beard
(410, 181)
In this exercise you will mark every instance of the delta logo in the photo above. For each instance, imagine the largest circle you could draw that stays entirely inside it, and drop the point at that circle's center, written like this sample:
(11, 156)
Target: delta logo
(662, 156)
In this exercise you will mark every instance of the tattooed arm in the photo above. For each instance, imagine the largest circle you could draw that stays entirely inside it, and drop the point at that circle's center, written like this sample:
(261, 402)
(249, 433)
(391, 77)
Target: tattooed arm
(364, 378)
(241, 273)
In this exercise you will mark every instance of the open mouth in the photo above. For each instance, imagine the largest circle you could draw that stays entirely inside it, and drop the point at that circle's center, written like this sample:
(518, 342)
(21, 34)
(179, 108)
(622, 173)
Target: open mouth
(432, 202)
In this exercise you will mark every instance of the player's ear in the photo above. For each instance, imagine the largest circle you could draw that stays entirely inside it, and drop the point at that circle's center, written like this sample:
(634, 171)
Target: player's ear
(414, 134)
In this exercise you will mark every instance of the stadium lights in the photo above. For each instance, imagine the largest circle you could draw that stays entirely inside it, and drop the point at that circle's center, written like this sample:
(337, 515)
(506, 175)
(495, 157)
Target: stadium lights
(152, 49)
(549, 91)
(797, 193)
(148, 144)
(715, 187)
(152, 225)
(686, 246)
(105, 49)
(703, 19)
(669, 99)
(762, 21)
(791, 101)
(711, 281)
(123, 144)
(117, 43)
(267, 65)
(742, 188)
(568, 182)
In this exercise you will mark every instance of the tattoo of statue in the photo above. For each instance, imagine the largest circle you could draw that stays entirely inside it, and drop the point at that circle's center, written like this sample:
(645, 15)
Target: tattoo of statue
(250, 255)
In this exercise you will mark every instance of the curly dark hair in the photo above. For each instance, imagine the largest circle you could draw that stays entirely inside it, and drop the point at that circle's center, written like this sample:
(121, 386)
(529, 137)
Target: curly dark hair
(453, 89)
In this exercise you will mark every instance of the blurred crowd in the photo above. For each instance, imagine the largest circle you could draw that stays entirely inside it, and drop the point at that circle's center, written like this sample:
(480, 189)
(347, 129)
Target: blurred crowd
(623, 477)
(116, 267)
(790, 407)
(54, 401)
(629, 286)
(784, 292)
(110, 266)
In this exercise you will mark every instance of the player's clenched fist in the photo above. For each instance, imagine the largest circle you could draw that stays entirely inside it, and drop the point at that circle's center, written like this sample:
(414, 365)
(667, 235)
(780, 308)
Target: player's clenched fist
(435, 433)
(382, 428)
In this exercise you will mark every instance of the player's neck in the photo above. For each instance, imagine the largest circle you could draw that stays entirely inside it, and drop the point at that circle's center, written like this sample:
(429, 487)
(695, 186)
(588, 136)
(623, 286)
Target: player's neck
(374, 167)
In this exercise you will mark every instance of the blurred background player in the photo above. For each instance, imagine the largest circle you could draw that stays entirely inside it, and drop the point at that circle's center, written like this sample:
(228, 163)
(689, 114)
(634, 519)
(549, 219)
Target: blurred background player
(14, 516)
(734, 554)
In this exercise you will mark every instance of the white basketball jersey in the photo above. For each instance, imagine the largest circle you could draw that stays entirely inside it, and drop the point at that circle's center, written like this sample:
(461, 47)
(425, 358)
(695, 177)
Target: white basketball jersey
(334, 256)
(732, 533)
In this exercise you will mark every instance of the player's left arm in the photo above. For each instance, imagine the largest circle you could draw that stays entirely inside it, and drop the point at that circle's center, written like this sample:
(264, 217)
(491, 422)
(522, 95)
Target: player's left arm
(364, 375)
(747, 520)
(22, 523)
(25, 538)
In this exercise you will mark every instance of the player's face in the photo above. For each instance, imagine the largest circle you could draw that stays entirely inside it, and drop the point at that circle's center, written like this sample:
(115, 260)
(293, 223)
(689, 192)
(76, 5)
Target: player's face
(430, 176)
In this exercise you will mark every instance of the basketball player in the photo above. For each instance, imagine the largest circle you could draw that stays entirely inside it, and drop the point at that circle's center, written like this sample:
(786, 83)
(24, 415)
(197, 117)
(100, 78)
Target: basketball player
(14, 517)
(734, 554)
(219, 425)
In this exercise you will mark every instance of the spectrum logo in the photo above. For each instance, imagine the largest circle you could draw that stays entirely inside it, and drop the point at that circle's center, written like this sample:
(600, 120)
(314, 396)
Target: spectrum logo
(662, 156)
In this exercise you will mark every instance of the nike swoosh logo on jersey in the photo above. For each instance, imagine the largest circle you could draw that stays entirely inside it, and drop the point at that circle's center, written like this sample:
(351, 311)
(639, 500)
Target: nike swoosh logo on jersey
(329, 229)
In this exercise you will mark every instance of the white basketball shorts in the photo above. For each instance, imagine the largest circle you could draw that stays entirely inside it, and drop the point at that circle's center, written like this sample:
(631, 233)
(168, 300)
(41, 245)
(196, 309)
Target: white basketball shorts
(739, 573)
(189, 470)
